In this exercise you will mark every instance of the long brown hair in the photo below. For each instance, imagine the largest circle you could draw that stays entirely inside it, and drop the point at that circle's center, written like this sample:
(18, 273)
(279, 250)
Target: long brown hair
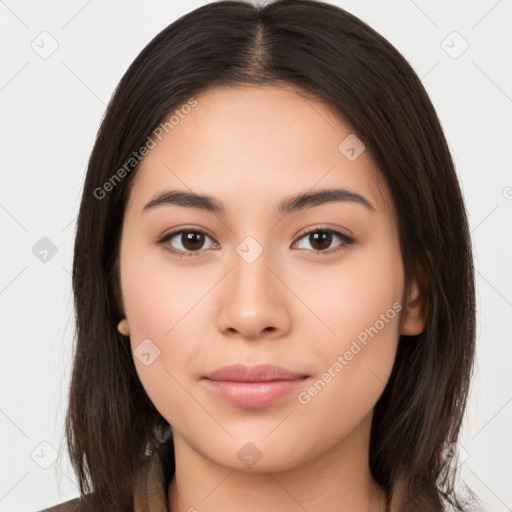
(321, 50)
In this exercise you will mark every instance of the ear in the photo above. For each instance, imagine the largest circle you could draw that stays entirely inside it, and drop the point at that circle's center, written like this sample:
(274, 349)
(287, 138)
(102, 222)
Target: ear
(415, 312)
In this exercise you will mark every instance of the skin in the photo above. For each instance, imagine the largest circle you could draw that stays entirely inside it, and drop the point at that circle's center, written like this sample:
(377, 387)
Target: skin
(294, 306)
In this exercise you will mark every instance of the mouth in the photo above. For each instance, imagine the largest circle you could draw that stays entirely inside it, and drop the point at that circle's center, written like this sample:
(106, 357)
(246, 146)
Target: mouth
(253, 387)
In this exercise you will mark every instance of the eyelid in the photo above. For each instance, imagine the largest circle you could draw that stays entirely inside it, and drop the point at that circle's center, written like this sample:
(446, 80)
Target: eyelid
(327, 228)
(184, 229)
(346, 239)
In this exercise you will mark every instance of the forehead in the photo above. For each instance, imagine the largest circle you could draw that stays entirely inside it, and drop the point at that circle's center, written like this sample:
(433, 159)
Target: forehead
(254, 145)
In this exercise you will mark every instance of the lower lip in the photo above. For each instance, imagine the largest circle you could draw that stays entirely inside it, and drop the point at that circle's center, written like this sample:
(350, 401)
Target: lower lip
(253, 394)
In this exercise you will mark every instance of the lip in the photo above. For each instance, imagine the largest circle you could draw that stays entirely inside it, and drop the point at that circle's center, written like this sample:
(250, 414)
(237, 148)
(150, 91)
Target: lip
(253, 387)
(258, 373)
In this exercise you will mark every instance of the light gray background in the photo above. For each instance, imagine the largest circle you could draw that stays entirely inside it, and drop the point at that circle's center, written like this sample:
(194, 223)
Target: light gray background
(51, 110)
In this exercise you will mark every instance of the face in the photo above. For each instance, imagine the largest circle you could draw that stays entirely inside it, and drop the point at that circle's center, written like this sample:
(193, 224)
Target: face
(316, 289)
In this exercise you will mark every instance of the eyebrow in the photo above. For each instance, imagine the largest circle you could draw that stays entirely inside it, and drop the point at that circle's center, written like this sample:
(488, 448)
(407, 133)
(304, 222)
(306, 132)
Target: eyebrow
(292, 204)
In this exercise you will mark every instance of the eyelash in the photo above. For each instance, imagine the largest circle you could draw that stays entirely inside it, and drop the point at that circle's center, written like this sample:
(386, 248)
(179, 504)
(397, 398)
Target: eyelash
(346, 241)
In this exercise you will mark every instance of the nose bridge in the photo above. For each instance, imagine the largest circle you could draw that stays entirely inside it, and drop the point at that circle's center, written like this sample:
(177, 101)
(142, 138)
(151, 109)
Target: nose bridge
(251, 261)
(252, 301)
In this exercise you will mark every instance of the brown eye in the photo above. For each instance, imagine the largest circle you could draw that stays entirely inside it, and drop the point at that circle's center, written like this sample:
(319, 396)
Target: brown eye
(185, 242)
(321, 240)
(192, 240)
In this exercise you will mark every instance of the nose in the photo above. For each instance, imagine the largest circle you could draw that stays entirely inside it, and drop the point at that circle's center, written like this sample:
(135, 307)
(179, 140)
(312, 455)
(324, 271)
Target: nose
(254, 301)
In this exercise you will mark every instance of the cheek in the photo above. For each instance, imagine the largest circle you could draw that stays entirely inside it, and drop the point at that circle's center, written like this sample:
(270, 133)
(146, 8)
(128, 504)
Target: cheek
(360, 309)
(351, 297)
(162, 309)
(158, 294)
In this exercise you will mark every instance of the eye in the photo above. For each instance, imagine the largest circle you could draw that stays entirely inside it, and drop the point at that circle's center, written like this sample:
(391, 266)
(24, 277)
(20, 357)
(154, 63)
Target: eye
(190, 240)
(320, 239)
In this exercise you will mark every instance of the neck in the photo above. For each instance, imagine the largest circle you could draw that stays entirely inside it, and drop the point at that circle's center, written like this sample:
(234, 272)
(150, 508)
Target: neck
(338, 479)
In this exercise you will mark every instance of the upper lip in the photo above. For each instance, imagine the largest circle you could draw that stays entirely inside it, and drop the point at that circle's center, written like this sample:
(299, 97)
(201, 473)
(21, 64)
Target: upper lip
(258, 373)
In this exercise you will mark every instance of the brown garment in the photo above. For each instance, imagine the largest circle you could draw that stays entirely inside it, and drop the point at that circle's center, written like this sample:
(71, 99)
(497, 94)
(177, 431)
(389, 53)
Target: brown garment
(152, 491)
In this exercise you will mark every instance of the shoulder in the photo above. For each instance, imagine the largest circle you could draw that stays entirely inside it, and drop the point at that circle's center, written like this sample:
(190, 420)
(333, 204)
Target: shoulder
(67, 506)
(76, 505)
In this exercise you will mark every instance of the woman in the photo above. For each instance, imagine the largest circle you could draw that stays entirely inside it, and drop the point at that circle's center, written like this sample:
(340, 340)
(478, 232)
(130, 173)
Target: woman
(308, 345)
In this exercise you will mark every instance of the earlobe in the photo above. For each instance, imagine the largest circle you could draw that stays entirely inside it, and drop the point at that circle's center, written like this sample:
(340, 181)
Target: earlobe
(123, 327)
(415, 311)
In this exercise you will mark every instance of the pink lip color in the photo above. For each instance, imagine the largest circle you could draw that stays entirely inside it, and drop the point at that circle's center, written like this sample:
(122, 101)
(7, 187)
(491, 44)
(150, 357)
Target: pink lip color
(252, 387)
